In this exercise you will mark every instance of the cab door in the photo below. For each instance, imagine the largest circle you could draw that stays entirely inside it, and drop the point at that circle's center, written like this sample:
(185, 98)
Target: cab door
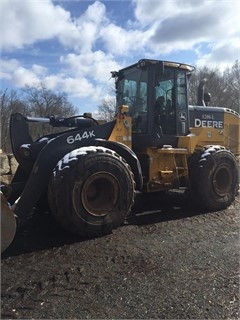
(181, 103)
(171, 105)
(164, 103)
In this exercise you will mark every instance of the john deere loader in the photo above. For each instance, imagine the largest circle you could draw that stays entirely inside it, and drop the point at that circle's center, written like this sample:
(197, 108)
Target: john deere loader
(89, 172)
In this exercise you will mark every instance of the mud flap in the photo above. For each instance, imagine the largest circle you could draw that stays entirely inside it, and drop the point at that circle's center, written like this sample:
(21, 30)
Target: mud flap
(8, 224)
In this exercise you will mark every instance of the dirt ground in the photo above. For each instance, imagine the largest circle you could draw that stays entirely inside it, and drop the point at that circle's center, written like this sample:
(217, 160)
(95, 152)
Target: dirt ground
(168, 261)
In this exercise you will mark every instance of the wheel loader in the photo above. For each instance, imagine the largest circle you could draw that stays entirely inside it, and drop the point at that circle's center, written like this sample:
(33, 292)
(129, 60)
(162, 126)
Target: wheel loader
(88, 173)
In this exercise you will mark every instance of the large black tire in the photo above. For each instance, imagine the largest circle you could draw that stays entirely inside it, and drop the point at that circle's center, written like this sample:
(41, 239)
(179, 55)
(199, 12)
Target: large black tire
(214, 178)
(91, 191)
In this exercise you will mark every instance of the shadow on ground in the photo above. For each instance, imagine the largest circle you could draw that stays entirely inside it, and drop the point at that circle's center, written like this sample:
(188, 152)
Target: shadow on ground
(42, 232)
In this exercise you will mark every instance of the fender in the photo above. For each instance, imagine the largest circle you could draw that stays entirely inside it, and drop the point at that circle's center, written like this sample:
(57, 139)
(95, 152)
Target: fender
(130, 157)
(26, 151)
(47, 159)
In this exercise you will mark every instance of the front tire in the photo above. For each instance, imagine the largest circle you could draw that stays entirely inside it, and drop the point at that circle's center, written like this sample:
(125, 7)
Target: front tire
(214, 178)
(91, 191)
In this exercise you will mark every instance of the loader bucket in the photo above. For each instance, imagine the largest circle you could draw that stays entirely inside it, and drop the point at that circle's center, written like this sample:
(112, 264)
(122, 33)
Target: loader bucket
(8, 224)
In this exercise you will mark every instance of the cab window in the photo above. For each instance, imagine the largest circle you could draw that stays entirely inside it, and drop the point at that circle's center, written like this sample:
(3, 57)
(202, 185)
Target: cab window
(134, 94)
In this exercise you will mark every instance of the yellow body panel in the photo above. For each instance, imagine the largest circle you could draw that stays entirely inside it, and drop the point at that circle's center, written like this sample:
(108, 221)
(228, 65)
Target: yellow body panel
(200, 137)
(166, 167)
(231, 133)
(228, 136)
(122, 132)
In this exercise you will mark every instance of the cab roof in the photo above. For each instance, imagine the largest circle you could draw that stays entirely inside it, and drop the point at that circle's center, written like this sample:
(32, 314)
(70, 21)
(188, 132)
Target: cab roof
(177, 65)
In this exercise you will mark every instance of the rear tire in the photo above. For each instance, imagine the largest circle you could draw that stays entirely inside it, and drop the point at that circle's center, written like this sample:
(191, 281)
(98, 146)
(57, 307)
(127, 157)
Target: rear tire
(214, 178)
(91, 191)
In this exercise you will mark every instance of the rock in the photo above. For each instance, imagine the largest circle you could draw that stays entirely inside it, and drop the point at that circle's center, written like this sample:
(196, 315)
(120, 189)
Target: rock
(13, 163)
(4, 164)
(8, 167)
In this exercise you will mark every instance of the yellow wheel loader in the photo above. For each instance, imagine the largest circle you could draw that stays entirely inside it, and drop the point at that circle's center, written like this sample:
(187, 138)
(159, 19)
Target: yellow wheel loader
(89, 172)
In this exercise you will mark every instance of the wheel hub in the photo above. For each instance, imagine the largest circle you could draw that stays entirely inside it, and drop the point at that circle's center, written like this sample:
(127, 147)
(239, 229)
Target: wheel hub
(222, 180)
(100, 193)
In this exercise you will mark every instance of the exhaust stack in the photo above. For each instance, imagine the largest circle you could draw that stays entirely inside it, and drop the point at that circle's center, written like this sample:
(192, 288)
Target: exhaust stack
(200, 100)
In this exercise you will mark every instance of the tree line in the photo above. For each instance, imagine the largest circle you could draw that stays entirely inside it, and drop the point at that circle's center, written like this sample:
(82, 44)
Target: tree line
(35, 101)
(38, 101)
(223, 86)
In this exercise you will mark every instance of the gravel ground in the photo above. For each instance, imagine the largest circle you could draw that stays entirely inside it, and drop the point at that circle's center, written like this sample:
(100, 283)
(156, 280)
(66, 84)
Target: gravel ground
(168, 261)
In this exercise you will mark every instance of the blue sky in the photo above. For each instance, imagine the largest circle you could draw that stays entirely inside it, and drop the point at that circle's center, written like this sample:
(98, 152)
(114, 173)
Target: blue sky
(71, 46)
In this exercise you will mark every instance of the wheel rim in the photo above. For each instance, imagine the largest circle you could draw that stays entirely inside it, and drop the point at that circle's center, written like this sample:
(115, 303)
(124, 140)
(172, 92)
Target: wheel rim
(99, 193)
(222, 180)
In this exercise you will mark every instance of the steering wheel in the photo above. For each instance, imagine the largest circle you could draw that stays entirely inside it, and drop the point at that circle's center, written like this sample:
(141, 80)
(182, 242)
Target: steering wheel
(135, 99)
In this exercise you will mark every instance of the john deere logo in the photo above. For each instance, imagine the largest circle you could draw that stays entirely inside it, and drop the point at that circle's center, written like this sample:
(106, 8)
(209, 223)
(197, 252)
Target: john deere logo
(182, 116)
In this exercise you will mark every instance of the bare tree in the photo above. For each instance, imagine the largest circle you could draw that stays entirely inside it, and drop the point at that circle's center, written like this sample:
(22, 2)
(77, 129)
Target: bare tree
(232, 84)
(37, 101)
(107, 109)
(223, 86)
(10, 103)
(43, 102)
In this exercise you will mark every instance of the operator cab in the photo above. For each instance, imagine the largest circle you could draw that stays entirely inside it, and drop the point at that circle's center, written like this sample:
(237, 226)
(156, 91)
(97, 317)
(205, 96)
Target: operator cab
(156, 93)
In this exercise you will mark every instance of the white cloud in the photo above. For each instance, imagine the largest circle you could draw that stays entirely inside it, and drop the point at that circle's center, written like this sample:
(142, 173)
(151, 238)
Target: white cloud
(39, 70)
(7, 68)
(13, 71)
(90, 44)
(25, 22)
(82, 33)
(52, 81)
(78, 87)
(148, 12)
(179, 25)
(220, 55)
(95, 65)
(22, 76)
(90, 74)
(119, 41)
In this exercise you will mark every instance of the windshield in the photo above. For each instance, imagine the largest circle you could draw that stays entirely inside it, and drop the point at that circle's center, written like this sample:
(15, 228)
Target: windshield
(132, 91)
